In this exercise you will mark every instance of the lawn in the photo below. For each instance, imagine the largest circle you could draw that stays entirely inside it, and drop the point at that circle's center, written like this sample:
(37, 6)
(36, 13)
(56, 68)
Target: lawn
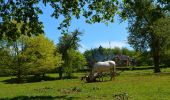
(134, 85)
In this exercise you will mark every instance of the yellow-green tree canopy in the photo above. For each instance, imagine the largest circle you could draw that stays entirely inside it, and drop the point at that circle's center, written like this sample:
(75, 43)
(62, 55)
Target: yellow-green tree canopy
(40, 55)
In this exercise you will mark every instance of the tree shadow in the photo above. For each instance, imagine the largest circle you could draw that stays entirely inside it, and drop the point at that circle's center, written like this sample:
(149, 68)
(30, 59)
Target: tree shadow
(65, 77)
(64, 97)
(28, 79)
(33, 79)
(163, 74)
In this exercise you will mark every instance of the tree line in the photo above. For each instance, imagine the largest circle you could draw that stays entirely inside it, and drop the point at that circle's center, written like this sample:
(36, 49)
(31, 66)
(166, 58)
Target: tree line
(139, 58)
(37, 55)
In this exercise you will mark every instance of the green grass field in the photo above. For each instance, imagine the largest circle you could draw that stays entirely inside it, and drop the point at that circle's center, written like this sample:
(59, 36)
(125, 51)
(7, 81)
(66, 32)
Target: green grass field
(134, 85)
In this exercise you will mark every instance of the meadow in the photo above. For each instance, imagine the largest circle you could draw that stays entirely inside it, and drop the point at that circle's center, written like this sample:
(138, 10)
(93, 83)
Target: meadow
(132, 85)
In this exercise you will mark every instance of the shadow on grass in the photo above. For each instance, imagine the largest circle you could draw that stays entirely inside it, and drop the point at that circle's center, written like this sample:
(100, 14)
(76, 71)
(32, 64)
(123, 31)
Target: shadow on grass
(33, 79)
(64, 97)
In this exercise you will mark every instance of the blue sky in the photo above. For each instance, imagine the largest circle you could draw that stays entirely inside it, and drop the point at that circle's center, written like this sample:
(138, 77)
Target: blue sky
(94, 35)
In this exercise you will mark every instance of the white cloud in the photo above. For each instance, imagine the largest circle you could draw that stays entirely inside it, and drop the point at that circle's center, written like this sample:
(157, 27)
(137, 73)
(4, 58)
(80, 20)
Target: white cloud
(105, 44)
(112, 44)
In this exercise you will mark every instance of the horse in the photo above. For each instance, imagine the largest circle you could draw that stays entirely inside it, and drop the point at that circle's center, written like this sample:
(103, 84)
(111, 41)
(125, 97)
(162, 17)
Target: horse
(105, 67)
(100, 69)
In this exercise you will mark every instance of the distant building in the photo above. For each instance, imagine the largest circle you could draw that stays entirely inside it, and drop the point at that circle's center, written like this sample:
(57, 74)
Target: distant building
(123, 60)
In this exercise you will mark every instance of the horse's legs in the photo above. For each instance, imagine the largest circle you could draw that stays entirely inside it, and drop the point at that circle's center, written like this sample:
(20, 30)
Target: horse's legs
(82, 78)
(102, 76)
(112, 75)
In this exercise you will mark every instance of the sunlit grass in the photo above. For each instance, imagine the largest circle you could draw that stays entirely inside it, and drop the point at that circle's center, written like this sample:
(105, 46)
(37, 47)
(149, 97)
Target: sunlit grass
(138, 85)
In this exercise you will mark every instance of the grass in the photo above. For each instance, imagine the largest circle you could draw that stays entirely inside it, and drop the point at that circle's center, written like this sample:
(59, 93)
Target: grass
(136, 85)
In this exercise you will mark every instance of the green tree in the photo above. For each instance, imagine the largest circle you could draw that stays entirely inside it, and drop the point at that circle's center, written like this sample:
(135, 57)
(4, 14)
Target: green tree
(166, 58)
(163, 32)
(125, 51)
(76, 61)
(5, 58)
(103, 54)
(39, 55)
(143, 59)
(33, 55)
(117, 50)
(15, 48)
(66, 43)
(10, 58)
(89, 58)
(27, 11)
(143, 17)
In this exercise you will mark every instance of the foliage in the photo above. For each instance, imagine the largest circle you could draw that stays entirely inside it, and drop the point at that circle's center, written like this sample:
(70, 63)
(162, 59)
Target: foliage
(165, 58)
(5, 58)
(98, 54)
(39, 55)
(92, 10)
(67, 43)
(76, 61)
(143, 59)
(69, 40)
(143, 17)
(27, 11)
(163, 32)
(29, 55)
(103, 54)
(11, 62)
(14, 47)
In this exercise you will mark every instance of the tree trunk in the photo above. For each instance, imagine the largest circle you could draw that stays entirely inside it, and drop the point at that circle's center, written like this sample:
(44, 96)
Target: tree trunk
(156, 63)
(19, 76)
(43, 76)
(60, 72)
(155, 53)
(68, 75)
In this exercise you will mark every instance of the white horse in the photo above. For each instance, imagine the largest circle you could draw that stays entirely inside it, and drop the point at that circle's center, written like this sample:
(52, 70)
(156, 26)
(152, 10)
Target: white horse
(105, 66)
(100, 69)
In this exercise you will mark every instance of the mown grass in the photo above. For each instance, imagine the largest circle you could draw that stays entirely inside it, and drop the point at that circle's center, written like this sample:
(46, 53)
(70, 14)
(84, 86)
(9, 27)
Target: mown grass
(136, 85)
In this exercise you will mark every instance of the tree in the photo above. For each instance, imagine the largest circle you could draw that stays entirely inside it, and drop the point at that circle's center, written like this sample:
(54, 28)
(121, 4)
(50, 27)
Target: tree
(29, 55)
(103, 54)
(22, 11)
(89, 58)
(14, 48)
(166, 58)
(39, 55)
(143, 59)
(92, 10)
(10, 58)
(5, 58)
(75, 61)
(66, 43)
(117, 50)
(163, 32)
(143, 17)
(27, 11)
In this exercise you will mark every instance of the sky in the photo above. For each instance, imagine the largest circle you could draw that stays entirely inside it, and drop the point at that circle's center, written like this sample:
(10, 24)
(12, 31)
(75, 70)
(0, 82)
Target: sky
(108, 36)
